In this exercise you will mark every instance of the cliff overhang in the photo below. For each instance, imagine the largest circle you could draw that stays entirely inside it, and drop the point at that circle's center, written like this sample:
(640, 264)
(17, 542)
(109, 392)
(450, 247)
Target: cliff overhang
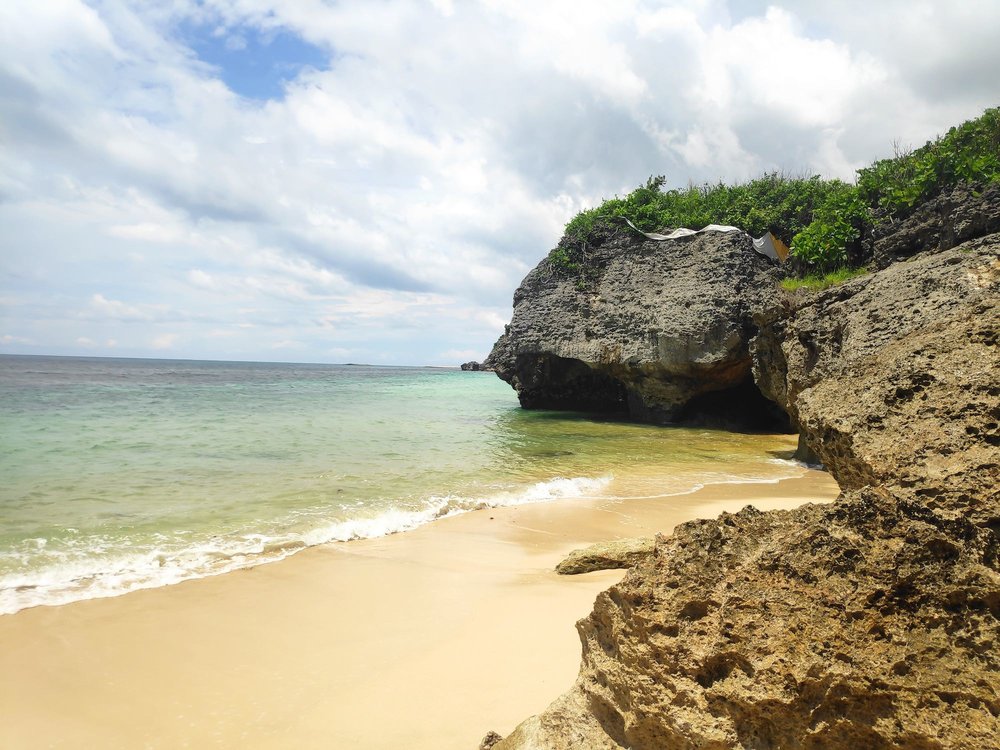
(657, 331)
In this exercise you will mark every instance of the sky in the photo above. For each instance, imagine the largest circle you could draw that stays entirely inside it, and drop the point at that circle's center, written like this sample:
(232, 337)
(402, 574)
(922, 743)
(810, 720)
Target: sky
(369, 181)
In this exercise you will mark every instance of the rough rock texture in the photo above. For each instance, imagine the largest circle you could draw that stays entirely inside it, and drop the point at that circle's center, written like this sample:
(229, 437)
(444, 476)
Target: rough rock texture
(475, 367)
(967, 212)
(618, 553)
(894, 378)
(873, 622)
(490, 741)
(660, 331)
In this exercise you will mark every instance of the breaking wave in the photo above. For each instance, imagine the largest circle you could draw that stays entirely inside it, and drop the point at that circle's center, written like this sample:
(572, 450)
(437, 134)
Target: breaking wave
(92, 567)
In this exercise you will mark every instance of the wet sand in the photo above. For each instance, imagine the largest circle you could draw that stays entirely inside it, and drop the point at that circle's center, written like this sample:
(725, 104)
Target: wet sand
(420, 640)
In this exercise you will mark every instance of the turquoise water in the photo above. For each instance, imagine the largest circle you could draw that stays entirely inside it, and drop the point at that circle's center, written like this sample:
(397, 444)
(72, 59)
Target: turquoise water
(124, 474)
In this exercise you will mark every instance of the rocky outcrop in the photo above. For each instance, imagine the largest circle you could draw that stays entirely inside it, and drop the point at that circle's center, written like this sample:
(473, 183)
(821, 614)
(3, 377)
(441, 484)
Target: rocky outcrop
(476, 367)
(894, 378)
(659, 330)
(873, 622)
(618, 553)
(965, 213)
(490, 741)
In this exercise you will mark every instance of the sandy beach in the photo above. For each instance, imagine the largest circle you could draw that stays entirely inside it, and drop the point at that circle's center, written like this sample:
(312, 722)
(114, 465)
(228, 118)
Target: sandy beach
(426, 639)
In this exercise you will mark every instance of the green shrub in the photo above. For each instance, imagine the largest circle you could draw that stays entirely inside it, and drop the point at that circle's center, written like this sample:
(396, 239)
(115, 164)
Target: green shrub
(967, 153)
(835, 229)
(823, 221)
(773, 202)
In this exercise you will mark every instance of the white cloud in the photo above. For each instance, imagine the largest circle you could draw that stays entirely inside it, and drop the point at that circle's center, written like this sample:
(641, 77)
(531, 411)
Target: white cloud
(389, 202)
(200, 278)
(11, 339)
(164, 341)
(287, 344)
(769, 63)
(111, 308)
(459, 355)
(148, 232)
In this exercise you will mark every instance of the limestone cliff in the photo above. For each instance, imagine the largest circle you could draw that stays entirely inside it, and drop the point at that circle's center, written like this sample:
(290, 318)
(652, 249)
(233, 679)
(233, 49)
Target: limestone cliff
(894, 378)
(870, 623)
(659, 330)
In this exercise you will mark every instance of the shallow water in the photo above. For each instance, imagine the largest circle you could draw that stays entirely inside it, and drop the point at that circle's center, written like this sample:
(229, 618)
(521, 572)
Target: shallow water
(123, 474)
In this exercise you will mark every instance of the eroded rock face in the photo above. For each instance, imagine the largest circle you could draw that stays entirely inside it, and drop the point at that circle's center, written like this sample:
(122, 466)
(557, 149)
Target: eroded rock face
(894, 378)
(617, 553)
(965, 213)
(661, 327)
(870, 623)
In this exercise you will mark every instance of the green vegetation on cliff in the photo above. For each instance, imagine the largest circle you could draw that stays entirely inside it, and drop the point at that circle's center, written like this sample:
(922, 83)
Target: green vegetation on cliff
(967, 153)
(823, 221)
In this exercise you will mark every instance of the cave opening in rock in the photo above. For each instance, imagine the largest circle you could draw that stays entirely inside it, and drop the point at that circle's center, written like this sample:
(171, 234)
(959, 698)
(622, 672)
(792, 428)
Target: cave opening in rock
(562, 383)
(742, 407)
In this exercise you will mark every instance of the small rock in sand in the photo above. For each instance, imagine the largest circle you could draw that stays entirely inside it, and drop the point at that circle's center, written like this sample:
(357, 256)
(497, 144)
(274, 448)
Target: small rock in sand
(618, 553)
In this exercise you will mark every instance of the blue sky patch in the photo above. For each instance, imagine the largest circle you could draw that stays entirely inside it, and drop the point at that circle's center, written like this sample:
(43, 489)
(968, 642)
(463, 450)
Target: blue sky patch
(254, 63)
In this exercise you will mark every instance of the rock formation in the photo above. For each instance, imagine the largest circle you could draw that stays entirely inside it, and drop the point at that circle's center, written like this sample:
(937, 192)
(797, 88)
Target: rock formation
(659, 330)
(965, 213)
(618, 553)
(869, 623)
(894, 378)
(474, 366)
(873, 622)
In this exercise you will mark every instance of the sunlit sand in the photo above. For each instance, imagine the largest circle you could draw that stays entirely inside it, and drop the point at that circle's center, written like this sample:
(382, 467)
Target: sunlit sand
(425, 639)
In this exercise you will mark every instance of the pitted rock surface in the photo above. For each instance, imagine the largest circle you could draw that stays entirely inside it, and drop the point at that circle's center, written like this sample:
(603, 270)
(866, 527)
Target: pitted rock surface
(869, 623)
(873, 622)
(894, 378)
(965, 213)
(656, 326)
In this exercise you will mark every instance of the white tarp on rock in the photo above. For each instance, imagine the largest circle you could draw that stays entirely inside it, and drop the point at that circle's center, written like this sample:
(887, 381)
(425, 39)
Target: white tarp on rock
(768, 245)
(771, 247)
(682, 232)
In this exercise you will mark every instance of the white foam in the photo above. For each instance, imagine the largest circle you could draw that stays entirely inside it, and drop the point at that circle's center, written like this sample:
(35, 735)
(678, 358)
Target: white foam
(796, 462)
(90, 569)
(395, 521)
(96, 567)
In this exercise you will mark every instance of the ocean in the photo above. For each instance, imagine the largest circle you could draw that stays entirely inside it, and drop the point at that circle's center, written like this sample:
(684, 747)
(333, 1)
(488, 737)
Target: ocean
(122, 474)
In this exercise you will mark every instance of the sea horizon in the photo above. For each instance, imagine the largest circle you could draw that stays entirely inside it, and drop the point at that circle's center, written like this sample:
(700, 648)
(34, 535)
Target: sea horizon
(235, 361)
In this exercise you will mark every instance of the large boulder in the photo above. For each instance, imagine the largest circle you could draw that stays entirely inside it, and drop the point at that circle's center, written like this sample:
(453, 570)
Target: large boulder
(658, 330)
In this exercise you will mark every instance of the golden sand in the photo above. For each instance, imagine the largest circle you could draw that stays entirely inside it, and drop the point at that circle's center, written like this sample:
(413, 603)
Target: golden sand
(420, 640)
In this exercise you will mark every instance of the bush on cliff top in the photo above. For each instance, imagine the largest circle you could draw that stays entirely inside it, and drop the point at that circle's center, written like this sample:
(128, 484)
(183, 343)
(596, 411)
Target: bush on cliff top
(967, 153)
(773, 202)
(823, 221)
